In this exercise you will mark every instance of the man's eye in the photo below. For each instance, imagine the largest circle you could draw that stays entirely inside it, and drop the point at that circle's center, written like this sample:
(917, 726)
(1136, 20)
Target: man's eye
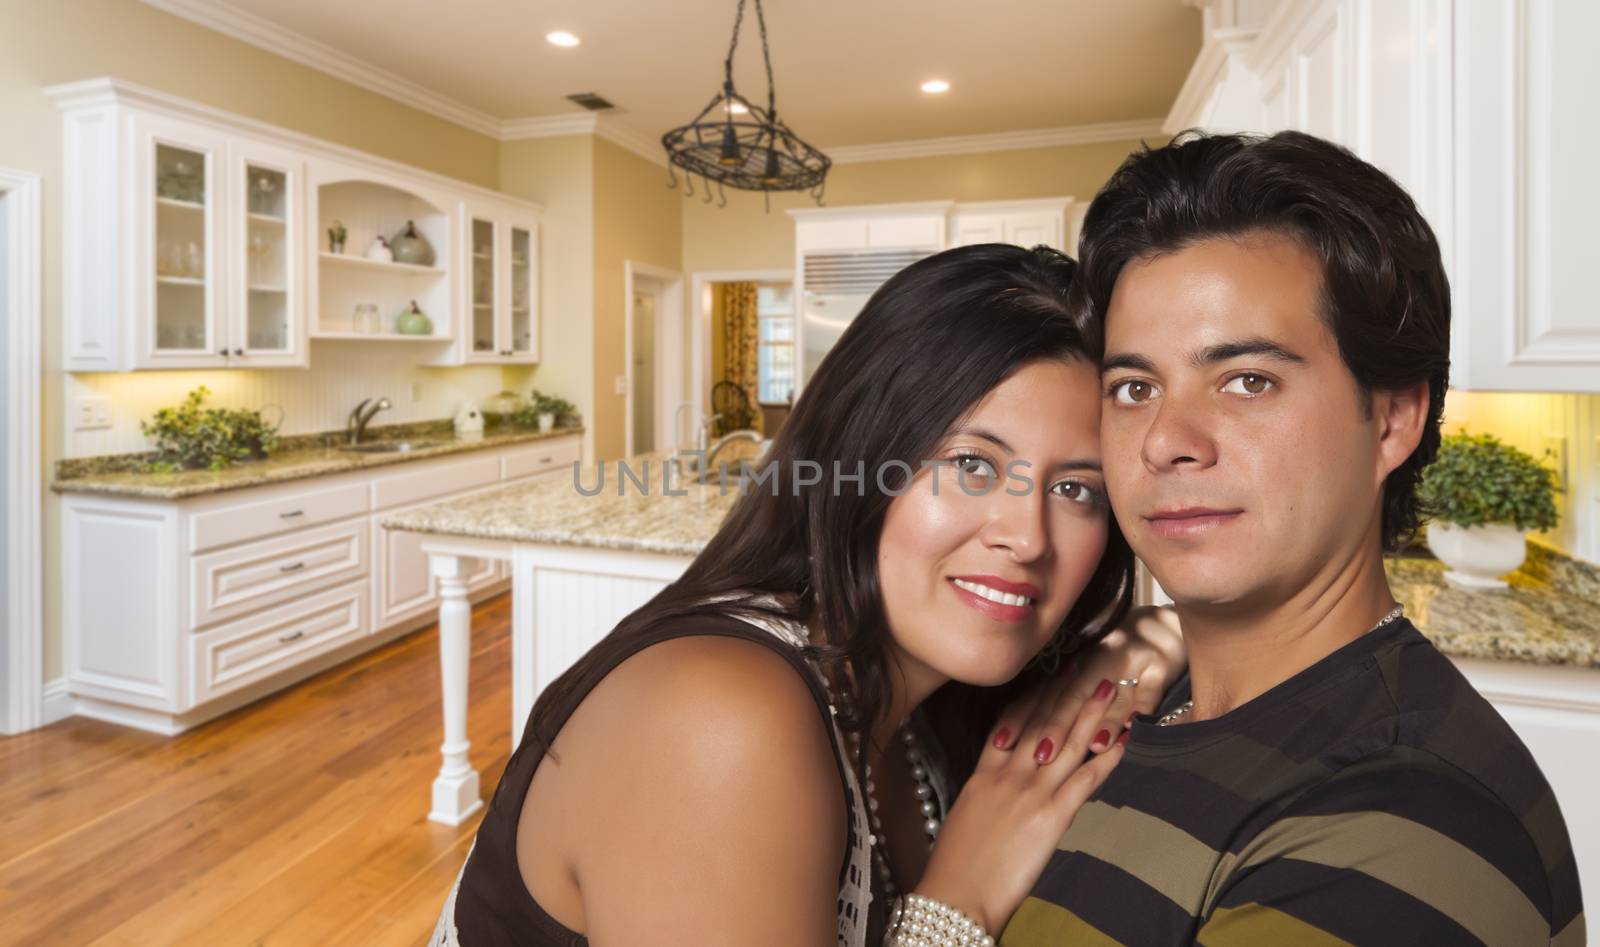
(1132, 392)
(1248, 384)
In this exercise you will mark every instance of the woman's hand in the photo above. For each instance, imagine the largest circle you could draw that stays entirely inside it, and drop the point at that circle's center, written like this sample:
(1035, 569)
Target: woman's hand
(1009, 817)
(1147, 647)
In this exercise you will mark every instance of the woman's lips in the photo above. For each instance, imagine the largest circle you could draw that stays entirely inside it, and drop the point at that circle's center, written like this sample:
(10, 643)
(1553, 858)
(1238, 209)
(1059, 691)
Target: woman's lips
(1189, 522)
(999, 611)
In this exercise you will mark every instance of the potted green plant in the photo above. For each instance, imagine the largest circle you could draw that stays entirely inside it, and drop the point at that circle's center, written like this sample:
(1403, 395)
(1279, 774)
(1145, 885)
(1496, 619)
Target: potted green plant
(550, 409)
(191, 436)
(1481, 497)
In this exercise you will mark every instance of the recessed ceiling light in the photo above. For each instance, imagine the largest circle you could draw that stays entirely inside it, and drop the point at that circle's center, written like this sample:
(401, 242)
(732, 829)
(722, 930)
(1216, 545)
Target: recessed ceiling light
(935, 86)
(561, 38)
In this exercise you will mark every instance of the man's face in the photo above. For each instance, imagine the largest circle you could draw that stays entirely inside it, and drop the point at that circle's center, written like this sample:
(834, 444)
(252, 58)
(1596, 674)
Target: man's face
(1239, 457)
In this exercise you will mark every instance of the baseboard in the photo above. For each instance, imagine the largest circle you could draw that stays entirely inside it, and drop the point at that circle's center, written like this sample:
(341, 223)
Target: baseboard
(58, 704)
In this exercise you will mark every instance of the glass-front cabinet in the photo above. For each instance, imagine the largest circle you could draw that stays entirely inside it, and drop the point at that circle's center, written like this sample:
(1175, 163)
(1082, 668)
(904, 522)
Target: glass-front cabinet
(179, 273)
(267, 309)
(216, 276)
(502, 294)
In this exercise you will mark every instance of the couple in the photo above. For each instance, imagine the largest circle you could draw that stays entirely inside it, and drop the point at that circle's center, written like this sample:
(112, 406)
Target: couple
(914, 706)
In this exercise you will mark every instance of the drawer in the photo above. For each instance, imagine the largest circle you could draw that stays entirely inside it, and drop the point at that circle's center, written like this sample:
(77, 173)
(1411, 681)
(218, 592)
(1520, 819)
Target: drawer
(235, 655)
(435, 480)
(231, 582)
(253, 520)
(556, 453)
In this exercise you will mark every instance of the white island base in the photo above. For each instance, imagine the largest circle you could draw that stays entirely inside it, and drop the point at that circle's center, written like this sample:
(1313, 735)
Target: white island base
(563, 600)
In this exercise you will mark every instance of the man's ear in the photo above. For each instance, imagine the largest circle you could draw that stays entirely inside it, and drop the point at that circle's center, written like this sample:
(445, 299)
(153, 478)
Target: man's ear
(1401, 415)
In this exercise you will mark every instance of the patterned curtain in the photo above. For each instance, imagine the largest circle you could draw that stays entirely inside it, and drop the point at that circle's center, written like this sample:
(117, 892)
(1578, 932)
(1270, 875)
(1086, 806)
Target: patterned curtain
(741, 333)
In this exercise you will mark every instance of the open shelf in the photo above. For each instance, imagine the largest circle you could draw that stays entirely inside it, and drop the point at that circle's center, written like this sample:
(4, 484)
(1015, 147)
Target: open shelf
(361, 262)
(267, 219)
(380, 337)
(181, 280)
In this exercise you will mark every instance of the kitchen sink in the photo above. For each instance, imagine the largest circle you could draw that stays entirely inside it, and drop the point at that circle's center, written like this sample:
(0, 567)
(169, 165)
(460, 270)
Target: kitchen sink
(388, 447)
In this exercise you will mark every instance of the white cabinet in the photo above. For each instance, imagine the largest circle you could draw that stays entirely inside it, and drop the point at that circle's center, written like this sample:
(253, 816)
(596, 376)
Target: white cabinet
(198, 239)
(1467, 104)
(500, 295)
(183, 242)
(1024, 223)
(176, 611)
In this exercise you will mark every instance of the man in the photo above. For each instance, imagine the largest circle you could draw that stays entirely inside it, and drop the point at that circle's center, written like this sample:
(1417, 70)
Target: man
(1275, 321)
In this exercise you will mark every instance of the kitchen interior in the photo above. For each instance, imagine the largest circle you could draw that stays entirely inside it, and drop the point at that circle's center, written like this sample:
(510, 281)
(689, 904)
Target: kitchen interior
(319, 319)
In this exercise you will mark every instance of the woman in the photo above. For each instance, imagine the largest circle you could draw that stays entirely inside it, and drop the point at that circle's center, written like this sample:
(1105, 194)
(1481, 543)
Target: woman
(765, 753)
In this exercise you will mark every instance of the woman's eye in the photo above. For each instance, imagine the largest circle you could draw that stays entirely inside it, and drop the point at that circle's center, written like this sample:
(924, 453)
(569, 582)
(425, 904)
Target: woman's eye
(1132, 392)
(1248, 384)
(1077, 491)
(971, 465)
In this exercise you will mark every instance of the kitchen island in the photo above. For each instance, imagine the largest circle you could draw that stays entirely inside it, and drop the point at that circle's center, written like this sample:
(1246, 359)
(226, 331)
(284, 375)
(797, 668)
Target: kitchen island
(579, 564)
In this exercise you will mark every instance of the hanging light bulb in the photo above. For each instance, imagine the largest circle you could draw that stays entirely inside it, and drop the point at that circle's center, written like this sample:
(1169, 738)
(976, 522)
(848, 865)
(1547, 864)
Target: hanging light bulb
(719, 151)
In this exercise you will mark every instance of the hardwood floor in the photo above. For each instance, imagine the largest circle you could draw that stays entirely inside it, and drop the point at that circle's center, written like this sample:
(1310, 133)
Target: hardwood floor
(300, 819)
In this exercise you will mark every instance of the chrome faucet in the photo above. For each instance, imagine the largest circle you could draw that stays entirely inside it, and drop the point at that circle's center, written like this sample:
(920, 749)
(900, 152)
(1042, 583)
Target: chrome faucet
(744, 434)
(357, 423)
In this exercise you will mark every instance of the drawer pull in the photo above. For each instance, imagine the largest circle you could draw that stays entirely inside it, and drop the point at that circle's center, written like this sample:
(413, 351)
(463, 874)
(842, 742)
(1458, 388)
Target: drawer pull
(291, 636)
(292, 567)
(545, 460)
(292, 514)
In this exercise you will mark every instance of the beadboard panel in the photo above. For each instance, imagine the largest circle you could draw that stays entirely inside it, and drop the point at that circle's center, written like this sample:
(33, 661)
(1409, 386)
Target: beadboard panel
(1531, 422)
(342, 373)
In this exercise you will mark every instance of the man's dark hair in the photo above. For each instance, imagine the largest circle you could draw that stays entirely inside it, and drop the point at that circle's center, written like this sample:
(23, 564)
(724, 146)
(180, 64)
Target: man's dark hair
(1385, 296)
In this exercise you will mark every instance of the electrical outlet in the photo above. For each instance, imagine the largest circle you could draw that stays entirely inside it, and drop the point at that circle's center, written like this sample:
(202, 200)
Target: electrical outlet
(1554, 448)
(93, 414)
(622, 384)
(416, 392)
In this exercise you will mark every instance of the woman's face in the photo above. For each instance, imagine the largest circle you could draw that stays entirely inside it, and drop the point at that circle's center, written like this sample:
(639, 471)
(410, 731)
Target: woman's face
(977, 580)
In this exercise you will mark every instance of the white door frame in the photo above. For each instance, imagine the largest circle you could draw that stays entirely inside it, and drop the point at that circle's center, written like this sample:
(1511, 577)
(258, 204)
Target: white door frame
(668, 349)
(23, 705)
(700, 342)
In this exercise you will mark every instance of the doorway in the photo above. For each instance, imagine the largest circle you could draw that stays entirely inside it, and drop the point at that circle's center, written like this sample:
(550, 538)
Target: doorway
(21, 581)
(653, 356)
(744, 356)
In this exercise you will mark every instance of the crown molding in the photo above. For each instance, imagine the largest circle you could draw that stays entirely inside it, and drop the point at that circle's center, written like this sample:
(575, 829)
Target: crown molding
(1001, 141)
(649, 149)
(548, 126)
(1222, 47)
(264, 34)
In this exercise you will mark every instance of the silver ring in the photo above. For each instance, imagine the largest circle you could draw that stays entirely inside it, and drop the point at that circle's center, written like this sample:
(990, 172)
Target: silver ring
(1128, 682)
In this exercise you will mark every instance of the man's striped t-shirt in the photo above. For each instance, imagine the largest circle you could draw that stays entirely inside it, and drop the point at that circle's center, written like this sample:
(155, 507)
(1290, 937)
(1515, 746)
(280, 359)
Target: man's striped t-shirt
(1374, 798)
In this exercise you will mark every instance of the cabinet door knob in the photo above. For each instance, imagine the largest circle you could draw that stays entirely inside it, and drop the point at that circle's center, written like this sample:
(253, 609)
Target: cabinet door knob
(223, 353)
(290, 637)
(238, 351)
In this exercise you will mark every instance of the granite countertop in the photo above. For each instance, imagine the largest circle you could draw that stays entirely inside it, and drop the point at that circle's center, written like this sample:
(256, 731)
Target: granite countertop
(298, 457)
(621, 516)
(1549, 615)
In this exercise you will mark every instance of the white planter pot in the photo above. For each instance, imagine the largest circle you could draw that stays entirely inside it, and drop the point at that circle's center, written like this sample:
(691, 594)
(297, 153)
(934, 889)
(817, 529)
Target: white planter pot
(1477, 555)
(547, 421)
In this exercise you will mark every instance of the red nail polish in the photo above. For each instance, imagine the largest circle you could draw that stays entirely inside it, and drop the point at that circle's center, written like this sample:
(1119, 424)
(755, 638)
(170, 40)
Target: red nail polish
(1002, 739)
(1042, 754)
(1103, 691)
(1123, 740)
(1103, 738)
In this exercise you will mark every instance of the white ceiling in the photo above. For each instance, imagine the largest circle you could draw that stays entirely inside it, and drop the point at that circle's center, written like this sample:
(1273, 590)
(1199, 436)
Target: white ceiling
(847, 71)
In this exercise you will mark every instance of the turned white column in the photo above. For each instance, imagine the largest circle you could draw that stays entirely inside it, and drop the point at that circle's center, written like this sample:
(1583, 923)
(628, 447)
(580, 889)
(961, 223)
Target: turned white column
(455, 789)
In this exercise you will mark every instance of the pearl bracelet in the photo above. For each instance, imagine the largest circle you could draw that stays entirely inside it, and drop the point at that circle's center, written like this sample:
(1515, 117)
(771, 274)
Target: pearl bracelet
(923, 922)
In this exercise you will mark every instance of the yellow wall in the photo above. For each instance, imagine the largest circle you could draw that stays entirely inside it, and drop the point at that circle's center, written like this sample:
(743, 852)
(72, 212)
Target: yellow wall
(635, 218)
(44, 42)
(559, 173)
(742, 236)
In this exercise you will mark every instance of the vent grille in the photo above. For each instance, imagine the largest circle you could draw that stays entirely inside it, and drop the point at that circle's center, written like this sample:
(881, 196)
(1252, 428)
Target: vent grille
(863, 272)
(592, 101)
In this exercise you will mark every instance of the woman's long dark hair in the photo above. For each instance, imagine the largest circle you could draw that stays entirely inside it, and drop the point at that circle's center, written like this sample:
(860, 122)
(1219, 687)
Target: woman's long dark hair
(930, 343)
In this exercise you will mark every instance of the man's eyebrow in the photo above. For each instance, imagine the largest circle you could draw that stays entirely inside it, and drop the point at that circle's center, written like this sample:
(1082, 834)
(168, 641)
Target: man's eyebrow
(1210, 355)
(1223, 351)
(1126, 360)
